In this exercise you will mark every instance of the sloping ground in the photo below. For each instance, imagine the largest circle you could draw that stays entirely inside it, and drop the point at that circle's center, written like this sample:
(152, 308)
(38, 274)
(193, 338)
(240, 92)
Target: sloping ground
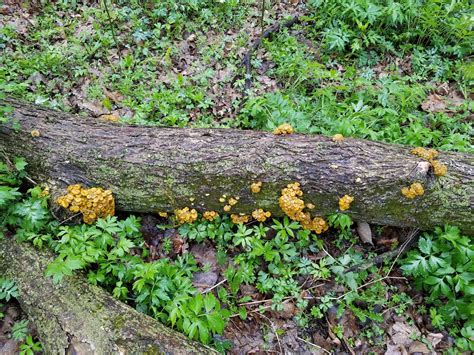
(395, 74)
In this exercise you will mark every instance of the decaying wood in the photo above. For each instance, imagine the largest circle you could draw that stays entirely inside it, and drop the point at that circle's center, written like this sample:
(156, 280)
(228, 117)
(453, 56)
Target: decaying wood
(75, 317)
(154, 168)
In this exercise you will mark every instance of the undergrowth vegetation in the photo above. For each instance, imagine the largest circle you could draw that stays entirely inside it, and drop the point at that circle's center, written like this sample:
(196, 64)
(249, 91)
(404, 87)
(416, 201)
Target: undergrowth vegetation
(359, 68)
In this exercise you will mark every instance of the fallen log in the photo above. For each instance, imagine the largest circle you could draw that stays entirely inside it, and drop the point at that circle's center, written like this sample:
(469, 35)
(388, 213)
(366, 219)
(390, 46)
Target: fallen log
(75, 317)
(160, 169)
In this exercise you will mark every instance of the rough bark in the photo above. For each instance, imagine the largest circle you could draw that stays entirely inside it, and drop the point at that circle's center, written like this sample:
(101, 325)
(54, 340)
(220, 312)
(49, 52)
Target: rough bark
(155, 168)
(75, 317)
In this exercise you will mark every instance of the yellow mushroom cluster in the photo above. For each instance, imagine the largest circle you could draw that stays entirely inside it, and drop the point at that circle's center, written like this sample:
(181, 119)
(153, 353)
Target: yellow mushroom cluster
(439, 169)
(415, 189)
(284, 128)
(210, 215)
(93, 203)
(185, 215)
(163, 214)
(337, 138)
(239, 218)
(291, 203)
(427, 154)
(44, 192)
(345, 202)
(260, 215)
(35, 133)
(317, 224)
(256, 187)
(230, 202)
(110, 118)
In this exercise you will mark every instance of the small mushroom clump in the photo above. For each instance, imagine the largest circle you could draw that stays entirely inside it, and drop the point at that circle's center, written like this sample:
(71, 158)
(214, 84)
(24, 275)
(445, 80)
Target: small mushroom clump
(439, 169)
(256, 187)
(293, 205)
(415, 189)
(290, 201)
(337, 138)
(345, 202)
(185, 215)
(260, 215)
(239, 218)
(35, 133)
(93, 203)
(317, 224)
(427, 154)
(210, 215)
(284, 128)
(45, 192)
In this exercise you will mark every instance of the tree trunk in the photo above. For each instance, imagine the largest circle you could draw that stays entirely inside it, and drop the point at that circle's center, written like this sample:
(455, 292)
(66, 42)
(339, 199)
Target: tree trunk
(75, 317)
(155, 168)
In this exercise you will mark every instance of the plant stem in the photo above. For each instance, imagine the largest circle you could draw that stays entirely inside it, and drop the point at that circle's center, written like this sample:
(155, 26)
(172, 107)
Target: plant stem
(112, 28)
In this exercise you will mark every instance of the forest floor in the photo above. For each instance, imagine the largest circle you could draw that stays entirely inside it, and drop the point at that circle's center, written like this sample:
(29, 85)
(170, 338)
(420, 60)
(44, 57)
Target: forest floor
(394, 73)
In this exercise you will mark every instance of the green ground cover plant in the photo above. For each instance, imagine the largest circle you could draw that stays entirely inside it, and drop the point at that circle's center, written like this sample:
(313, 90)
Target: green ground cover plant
(443, 266)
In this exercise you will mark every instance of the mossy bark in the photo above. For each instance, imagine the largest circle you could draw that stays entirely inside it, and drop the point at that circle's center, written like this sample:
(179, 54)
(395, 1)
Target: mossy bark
(155, 168)
(74, 317)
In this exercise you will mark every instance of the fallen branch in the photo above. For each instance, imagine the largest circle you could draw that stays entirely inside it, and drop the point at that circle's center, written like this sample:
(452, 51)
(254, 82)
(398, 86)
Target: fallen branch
(246, 61)
(75, 317)
(153, 169)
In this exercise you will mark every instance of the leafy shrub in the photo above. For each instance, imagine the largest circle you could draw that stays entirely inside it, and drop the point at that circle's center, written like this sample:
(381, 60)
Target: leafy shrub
(354, 25)
(28, 215)
(110, 252)
(443, 267)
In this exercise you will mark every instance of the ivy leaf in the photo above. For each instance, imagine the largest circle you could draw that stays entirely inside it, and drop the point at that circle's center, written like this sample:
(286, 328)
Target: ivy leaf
(196, 304)
(203, 332)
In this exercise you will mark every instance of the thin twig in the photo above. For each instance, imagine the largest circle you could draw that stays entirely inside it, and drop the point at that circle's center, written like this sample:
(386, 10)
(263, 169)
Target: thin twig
(312, 344)
(274, 331)
(380, 259)
(69, 218)
(413, 233)
(262, 308)
(112, 28)
(213, 287)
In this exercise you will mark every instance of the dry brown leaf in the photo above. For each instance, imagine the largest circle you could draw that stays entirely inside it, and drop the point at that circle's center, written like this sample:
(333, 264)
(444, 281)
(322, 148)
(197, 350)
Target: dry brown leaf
(434, 103)
(114, 96)
(365, 233)
(402, 333)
